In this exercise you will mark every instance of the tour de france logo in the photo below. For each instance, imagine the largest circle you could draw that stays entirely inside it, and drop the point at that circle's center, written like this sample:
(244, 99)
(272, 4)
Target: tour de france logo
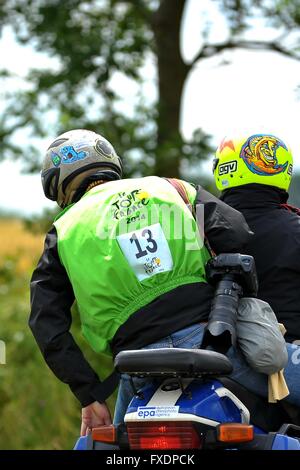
(259, 154)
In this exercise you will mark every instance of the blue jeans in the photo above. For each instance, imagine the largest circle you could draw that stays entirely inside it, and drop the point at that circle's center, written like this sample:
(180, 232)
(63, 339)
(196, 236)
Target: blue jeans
(191, 338)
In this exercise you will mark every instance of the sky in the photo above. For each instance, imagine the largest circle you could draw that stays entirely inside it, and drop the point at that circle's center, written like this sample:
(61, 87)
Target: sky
(253, 91)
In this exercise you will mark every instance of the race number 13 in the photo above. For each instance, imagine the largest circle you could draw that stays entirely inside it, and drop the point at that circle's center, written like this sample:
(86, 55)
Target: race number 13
(150, 248)
(147, 251)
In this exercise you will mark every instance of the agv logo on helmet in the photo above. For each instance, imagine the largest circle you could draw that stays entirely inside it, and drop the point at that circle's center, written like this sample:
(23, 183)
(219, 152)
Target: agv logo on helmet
(229, 167)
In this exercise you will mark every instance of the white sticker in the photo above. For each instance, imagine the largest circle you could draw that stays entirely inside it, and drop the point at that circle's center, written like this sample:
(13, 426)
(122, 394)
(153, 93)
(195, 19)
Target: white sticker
(146, 412)
(147, 251)
(225, 183)
(78, 145)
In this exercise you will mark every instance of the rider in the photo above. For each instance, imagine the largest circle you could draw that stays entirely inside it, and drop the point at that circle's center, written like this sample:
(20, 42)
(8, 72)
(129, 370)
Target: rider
(253, 173)
(137, 276)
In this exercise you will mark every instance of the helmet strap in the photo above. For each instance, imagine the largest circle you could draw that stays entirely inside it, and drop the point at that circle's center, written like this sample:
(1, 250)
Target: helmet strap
(94, 184)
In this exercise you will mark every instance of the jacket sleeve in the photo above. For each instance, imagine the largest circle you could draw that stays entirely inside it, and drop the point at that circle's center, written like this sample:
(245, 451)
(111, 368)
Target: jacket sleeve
(50, 320)
(225, 228)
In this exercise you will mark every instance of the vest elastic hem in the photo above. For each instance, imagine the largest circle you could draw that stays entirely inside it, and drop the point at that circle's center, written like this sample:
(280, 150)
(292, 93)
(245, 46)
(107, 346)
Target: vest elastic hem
(155, 292)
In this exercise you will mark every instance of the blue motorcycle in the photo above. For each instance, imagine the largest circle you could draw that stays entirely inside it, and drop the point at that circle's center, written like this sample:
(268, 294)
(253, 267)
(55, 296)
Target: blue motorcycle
(191, 403)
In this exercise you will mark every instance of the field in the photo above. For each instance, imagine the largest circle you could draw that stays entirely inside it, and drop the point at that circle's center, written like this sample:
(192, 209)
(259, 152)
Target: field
(36, 410)
(19, 244)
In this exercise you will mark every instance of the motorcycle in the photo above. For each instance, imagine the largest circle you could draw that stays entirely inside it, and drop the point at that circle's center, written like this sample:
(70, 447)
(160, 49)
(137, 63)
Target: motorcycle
(191, 403)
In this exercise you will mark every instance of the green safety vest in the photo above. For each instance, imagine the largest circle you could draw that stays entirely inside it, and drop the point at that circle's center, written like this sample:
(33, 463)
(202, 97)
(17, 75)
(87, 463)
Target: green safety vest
(124, 244)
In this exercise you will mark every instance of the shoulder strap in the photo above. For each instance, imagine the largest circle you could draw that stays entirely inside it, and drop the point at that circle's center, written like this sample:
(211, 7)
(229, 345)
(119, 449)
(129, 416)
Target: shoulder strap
(291, 208)
(181, 189)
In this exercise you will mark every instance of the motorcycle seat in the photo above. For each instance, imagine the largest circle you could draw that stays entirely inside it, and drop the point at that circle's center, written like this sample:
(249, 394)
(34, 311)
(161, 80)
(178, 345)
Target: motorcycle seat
(172, 362)
(193, 363)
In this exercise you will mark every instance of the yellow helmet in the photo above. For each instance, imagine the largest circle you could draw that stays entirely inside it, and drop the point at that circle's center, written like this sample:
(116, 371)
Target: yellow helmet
(259, 158)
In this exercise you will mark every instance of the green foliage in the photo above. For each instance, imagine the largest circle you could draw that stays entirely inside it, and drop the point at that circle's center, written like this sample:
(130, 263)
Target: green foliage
(92, 42)
(89, 42)
(36, 410)
(29, 393)
(41, 223)
(286, 12)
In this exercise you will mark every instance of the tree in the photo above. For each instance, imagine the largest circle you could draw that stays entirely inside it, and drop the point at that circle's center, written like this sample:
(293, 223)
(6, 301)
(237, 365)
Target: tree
(92, 41)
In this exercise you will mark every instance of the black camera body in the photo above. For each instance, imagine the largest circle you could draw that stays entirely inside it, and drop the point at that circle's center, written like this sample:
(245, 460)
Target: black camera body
(240, 267)
(234, 275)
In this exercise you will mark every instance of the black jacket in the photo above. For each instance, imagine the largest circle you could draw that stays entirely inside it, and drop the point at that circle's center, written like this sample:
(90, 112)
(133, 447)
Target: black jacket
(52, 297)
(275, 247)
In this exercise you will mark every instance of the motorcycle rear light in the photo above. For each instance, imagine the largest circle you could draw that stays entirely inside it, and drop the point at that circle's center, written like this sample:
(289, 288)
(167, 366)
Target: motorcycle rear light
(235, 432)
(163, 435)
(106, 433)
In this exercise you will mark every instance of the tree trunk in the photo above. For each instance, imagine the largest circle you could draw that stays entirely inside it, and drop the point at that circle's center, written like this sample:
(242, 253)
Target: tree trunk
(172, 73)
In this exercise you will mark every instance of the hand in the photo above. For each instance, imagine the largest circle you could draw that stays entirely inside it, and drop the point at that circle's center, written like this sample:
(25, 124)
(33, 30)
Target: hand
(93, 415)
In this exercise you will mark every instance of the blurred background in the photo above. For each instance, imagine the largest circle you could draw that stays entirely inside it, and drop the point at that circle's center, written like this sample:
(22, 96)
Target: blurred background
(164, 81)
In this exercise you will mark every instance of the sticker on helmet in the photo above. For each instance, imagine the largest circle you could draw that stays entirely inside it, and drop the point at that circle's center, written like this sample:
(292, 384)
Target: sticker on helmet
(69, 154)
(228, 167)
(259, 154)
(104, 149)
(226, 143)
(56, 160)
(290, 170)
(81, 144)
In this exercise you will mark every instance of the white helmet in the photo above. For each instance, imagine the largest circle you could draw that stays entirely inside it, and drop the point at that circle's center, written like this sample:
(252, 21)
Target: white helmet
(74, 153)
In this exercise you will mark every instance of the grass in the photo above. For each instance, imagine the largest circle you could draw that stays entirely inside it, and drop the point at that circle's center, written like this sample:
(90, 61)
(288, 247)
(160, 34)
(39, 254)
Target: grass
(32, 399)
(19, 244)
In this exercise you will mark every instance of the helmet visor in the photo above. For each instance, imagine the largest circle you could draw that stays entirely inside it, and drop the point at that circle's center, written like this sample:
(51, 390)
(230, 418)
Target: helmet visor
(215, 164)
